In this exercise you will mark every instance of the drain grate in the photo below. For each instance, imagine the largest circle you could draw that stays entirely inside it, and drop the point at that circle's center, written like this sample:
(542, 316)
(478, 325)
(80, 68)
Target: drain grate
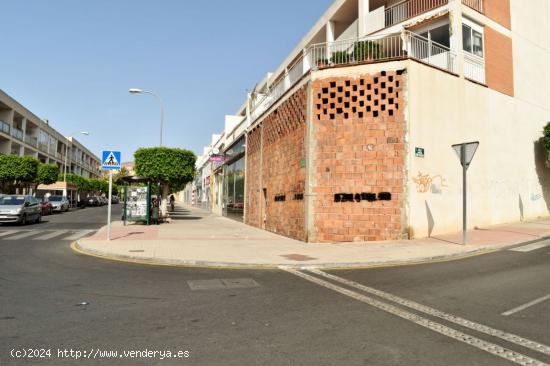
(222, 284)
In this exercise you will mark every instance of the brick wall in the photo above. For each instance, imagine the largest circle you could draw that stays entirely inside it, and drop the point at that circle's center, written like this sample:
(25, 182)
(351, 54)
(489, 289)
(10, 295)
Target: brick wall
(499, 62)
(358, 148)
(282, 172)
(253, 181)
(499, 11)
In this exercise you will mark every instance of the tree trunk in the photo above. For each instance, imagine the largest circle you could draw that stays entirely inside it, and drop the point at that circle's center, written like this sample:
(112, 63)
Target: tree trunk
(164, 203)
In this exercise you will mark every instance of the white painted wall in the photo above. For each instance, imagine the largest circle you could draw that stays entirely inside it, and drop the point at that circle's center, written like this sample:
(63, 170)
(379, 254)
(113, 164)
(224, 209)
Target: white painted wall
(504, 178)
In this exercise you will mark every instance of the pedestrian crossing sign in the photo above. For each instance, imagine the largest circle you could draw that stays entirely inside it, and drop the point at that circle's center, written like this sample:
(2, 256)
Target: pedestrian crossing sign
(110, 160)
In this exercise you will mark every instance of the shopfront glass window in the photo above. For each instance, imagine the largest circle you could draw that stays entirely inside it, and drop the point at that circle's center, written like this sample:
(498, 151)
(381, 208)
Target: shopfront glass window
(234, 190)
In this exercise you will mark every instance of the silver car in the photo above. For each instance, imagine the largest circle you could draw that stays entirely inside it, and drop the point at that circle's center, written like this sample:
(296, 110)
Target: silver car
(59, 203)
(19, 209)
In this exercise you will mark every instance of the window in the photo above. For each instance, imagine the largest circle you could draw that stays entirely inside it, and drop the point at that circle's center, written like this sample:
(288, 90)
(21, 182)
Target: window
(472, 40)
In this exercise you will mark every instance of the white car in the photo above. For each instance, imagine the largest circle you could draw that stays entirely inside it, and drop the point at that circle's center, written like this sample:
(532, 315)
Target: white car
(19, 209)
(59, 203)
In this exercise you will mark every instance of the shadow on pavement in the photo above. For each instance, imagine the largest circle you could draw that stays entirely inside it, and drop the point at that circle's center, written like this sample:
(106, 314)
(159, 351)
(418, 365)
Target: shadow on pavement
(180, 214)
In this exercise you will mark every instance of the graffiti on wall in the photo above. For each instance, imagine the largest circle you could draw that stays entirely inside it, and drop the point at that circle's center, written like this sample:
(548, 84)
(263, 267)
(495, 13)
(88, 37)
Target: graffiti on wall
(427, 183)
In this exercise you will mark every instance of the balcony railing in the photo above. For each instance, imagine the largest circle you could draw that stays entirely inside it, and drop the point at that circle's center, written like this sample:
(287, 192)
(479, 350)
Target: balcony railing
(474, 68)
(33, 141)
(17, 133)
(352, 52)
(42, 146)
(474, 4)
(383, 17)
(372, 49)
(409, 9)
(4, 127)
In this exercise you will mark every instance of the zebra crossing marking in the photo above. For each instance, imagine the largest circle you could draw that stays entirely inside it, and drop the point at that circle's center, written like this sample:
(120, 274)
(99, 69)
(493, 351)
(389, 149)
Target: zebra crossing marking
(51, 235)
(9, 232)
(79, 234)
(42, 235)
(530, 247)
(22, 235)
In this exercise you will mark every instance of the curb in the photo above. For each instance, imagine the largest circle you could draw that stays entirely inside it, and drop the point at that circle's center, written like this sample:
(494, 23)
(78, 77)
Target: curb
(78, 248)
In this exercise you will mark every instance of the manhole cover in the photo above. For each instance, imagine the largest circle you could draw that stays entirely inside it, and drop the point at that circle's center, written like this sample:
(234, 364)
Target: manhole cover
(205, 285)
(240, 283)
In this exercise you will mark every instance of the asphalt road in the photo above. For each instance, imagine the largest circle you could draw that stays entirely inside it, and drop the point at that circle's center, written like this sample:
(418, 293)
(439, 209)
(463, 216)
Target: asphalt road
(54, 299)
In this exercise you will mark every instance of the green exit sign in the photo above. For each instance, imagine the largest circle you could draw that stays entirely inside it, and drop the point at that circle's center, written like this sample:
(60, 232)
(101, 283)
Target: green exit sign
(419, 152)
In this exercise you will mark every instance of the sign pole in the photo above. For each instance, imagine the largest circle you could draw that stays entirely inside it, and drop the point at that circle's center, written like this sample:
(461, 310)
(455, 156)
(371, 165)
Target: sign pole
(465, 152)
(109, 209)
(110, 161)
(464, 198)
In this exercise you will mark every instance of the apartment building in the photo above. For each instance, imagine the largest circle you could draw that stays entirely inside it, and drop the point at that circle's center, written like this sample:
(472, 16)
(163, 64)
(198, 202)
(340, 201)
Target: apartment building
(350, 138)
(24, 134)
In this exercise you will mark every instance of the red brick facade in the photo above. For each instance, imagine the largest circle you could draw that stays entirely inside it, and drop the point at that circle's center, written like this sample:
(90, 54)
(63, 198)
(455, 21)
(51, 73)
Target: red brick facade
(281, 171)
(359, 148)
(499, 62)
(356, 159)
(499, 11)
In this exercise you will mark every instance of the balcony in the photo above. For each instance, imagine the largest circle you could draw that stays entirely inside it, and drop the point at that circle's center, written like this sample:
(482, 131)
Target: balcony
(370, 49)
(474, 68)
(17, 133)
(4, 127)
(385, 48)
(42, 146)
(383, 17)
(474, 4)
(33, 141)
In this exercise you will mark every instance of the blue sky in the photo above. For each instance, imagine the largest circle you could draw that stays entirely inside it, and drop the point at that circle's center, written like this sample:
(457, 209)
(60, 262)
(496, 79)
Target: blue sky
(72, 62)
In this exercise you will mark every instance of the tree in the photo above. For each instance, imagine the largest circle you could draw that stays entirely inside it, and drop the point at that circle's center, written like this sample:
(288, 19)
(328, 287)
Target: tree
(546, 140)
(123, 172)
(167, 166)
(17, 171)
(81, 183)
(47, 174)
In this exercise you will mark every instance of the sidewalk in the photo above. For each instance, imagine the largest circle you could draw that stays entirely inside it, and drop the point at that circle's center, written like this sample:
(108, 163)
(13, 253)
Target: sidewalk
(198, 238)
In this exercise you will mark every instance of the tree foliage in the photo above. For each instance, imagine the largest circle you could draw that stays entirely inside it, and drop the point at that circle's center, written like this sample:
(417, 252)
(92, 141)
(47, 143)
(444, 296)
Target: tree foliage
(546, 139)
(117, 178)
(168, 166)
(47, 173)
(17, 170)
(87, 184)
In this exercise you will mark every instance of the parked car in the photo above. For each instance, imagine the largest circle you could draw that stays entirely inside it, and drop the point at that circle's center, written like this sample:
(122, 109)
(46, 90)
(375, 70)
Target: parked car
(46, 207)
(59, 203)
(19, 209)
(115, 199)
(93, 201)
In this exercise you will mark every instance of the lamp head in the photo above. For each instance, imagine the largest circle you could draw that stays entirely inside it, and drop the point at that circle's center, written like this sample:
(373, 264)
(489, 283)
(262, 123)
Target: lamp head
(135, 90)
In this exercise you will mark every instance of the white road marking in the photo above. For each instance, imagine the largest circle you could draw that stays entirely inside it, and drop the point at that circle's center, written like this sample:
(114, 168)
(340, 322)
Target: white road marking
(22, 235)
(78, 235)
(530, 247)
(525, 306)
(509, 337)
(491, 348)
(9, 232)
(51, 235)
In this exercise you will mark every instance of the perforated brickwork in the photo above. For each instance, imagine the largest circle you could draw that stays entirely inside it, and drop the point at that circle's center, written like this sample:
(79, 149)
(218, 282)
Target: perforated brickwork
(369, 96)
(359, 148)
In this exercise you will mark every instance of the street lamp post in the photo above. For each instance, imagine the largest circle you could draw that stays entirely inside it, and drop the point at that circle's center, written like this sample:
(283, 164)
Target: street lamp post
(140, 91)
(66, 154)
